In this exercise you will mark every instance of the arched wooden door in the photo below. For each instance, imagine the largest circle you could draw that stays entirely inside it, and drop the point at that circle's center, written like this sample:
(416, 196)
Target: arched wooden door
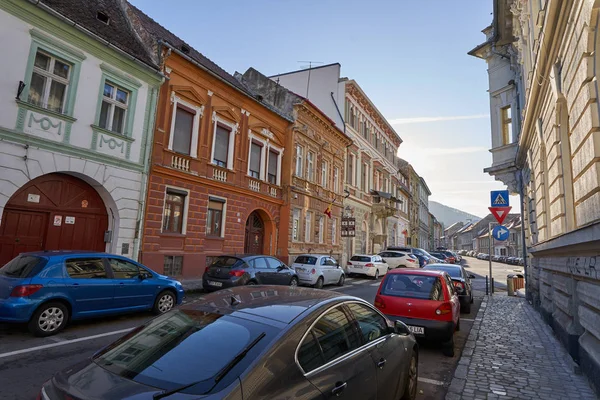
(255, 234)
(53, 212)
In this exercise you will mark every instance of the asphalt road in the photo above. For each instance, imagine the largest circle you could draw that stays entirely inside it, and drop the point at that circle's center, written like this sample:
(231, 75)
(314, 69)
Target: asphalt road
(480, 268)
(26, 362)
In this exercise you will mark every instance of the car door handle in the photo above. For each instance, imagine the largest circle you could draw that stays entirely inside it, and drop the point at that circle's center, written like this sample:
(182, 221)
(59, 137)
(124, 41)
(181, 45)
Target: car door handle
(381, 363)
(339, 388)
(75, 284)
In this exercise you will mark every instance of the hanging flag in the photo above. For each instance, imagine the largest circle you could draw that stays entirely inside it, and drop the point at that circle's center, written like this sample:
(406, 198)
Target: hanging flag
(405, 232)
(328, 210)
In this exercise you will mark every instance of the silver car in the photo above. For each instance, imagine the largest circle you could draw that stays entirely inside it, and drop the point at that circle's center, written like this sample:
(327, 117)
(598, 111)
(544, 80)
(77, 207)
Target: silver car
(318, 270)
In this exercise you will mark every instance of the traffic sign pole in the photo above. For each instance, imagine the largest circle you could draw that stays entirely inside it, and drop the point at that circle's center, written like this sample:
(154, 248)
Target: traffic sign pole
(490, 257)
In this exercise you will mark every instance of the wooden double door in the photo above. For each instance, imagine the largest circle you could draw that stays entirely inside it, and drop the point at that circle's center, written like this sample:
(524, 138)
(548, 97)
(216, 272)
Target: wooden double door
(53, 212)
(255, 234)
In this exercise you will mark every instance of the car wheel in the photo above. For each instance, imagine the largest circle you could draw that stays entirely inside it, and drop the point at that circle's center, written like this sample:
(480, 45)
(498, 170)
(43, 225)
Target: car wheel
(376, 274)
(250, 283)
(319, 284)
(449, 348)
(294, 281)
(410, 387)
(49, 319)
(164, 302)
(342, 280)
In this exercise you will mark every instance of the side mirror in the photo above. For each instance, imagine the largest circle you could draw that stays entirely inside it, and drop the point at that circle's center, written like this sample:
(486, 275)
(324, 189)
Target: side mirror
(401, 329)
(471, 276)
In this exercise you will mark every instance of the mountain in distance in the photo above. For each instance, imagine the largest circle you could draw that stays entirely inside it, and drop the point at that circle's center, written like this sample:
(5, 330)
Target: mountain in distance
(448, 215)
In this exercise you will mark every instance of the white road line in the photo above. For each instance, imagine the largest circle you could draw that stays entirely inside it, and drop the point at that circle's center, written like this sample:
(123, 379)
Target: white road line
(374, 284)
(467, 319)
(48, 346)
(431, 381)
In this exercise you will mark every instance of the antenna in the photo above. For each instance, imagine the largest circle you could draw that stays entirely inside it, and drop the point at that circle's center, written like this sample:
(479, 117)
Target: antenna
(310, 64)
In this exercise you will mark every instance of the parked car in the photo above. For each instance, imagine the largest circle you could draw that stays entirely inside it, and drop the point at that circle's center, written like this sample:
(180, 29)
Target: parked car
(462, 282)
(423, 261)
(457, 256)
(50, 288)
(318, 270)
(425, 300)
(258, 342)
(441, 257)
(450, 256)
(369, 265)
(398, 259)
(229, 270)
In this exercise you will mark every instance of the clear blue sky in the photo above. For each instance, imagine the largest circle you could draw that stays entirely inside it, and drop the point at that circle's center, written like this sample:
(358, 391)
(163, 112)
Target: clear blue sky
(410, 57)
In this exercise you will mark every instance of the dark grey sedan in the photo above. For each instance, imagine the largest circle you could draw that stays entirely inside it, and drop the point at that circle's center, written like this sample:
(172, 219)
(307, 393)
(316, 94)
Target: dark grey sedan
(230, 271)
(253, 342)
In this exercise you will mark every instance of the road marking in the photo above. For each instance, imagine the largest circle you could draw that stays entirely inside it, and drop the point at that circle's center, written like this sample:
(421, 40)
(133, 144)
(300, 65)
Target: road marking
(48, 346)
(431, 381)
(374, 284)
(467, 319)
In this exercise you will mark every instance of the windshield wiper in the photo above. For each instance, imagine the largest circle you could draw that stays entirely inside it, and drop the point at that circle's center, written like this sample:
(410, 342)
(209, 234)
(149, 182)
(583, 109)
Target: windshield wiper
(220, 375)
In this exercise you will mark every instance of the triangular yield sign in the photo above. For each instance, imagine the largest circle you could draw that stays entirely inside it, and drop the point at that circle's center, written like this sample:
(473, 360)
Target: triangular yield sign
(500, 213)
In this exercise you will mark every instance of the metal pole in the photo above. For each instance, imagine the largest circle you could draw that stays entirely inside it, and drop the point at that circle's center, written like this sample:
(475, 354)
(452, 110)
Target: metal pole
(490, 256)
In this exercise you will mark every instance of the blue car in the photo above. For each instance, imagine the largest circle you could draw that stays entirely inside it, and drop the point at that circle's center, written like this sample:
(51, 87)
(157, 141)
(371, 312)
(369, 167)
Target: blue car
(48, 289)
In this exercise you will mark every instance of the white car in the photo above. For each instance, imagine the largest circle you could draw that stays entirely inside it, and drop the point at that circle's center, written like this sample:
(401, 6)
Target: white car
(399, 259)
(364, 264)
(318, 270)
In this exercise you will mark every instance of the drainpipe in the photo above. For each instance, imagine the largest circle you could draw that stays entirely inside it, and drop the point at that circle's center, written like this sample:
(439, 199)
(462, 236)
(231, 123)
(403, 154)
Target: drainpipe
(519, 173)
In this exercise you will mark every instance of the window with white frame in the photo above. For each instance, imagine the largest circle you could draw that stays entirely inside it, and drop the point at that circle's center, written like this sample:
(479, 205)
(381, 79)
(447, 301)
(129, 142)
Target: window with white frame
(215, 217)
(185, 123)
(350, 169)
(254, 166)
(49, 82)
(506, 120)
(377, 180)
(308, 227)
(221, 146)
(296, 225)
(273, 167)
(336, 179)
(174, 212)
(310, 166)
(333, 230)
(324, 174)
(364, 177)
(113, 110)
(299, 159)
(321, 229)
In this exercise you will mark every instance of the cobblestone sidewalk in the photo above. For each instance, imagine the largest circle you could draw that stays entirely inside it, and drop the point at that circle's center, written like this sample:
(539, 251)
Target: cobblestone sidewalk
(512, 354)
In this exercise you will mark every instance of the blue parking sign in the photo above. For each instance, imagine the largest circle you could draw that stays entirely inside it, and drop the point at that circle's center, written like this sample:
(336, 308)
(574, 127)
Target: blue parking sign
(500, 233)
(499, 198)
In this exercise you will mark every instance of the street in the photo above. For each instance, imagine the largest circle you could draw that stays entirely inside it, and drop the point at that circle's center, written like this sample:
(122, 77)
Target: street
(26, 361)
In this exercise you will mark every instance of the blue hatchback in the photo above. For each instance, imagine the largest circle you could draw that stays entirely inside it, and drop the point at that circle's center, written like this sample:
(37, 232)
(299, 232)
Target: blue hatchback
(47, 289)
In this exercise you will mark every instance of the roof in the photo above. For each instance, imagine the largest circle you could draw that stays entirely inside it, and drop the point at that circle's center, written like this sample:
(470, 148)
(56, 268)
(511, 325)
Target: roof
(55, 253)
(421, 271)
(305, 69)
(276, 303)
(119, 31)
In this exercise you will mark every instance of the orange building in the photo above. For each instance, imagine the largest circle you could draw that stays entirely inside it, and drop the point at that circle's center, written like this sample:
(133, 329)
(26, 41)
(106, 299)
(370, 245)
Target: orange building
(215, 183)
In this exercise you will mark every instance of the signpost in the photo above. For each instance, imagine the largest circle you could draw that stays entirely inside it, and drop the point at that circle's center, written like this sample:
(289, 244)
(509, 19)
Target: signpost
(499, 207)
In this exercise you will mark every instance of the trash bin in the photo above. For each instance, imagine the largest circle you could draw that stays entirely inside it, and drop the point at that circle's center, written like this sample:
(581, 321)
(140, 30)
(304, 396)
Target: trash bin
(518, 282)
(510, 284)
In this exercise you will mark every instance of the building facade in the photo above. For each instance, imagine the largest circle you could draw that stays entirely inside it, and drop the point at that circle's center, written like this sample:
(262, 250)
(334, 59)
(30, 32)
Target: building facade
(424, 226)
(76, 121)
(216, 181)
(542, 61)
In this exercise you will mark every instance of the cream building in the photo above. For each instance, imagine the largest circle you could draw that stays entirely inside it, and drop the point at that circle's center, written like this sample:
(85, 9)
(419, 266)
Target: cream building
(543, 57)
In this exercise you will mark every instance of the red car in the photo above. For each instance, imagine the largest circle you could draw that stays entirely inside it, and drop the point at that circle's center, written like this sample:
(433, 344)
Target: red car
(425, 300)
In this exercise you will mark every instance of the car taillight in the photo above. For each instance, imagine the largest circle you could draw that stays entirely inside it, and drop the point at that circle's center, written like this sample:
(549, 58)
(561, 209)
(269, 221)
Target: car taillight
(379, 303)
(237, 272)
(459, 285)
(25, 290)
(445, 308)
(412, 260)
(348, 263)
(369, 265)
(313, 271)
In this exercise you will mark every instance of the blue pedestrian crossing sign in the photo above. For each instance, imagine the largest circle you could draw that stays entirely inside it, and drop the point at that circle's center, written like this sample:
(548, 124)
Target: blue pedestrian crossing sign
(500, 233)
(499, 198)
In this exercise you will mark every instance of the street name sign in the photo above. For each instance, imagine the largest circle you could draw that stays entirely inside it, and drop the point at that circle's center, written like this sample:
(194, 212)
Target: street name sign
(500, 213)
(499, 198)
(500, 233)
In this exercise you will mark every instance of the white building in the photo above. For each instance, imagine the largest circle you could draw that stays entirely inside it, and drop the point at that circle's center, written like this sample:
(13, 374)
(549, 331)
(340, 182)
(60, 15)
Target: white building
(76, 111)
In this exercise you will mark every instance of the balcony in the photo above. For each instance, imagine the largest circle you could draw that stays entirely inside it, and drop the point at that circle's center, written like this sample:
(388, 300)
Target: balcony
(219, 174)
(181, 163)
(503, 165)
(253, 184)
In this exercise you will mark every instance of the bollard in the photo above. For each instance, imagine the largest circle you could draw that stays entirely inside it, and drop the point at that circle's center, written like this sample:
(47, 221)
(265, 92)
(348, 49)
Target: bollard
(487, 290)
(493, 289)
(510, 284)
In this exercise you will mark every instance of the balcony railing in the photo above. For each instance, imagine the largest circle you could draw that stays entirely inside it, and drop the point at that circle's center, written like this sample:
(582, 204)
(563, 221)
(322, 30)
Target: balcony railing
(254, 185)
(219, 175)
(180, 163)
(273, 191)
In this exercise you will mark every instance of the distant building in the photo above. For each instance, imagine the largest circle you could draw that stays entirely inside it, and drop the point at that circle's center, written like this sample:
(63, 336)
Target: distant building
(450, 238)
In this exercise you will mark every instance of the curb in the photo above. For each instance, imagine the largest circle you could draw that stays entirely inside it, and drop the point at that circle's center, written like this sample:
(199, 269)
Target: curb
(460, 374)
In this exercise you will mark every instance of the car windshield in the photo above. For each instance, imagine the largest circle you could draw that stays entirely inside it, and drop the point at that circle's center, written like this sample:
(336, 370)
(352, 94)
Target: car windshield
(226, 262)
(306, 260)
(454, 272)
(182, 347)
(361, 258)
(412, 286)
(20, 267)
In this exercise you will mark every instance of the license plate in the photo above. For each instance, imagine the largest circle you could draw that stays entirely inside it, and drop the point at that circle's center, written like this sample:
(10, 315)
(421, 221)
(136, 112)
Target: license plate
(300, 269)
(218, 284)
(417, 330)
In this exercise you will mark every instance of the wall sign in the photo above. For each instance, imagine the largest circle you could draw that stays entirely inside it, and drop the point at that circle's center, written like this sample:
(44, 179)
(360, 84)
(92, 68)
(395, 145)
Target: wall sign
(57, 220)
(33, 198)
(84, 203)
(70, 220)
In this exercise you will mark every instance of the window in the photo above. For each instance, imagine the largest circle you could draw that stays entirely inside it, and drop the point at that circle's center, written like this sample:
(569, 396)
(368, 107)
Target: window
(299, 156)
(350, 169)
(309, 260)
(413, 286)
(49, 82)
(113, 110)
(214, 221)
(336, 179)
(333, 230)
(310, 356)
(173, 265)
(122, 269)
(372, 325)
(324, 174)
(506, 118)
(310, 170)
(86, 268)
(363, 180)
(260, 263)
(273, 167)
(308, 227)
(173, 215)
(321, 229)
(273, 263)
(296, 225)
(221, 146)
(255, 160)
(22, 267)
(183, 131)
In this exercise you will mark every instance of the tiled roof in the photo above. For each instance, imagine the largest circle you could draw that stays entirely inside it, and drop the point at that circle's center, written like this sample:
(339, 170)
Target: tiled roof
(118, 31)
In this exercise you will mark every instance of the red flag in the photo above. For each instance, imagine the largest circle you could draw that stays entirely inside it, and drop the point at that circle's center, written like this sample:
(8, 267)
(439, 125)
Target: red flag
(328, 210)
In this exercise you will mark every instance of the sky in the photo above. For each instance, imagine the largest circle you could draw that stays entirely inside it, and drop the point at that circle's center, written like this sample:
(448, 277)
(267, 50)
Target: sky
(410, 58)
